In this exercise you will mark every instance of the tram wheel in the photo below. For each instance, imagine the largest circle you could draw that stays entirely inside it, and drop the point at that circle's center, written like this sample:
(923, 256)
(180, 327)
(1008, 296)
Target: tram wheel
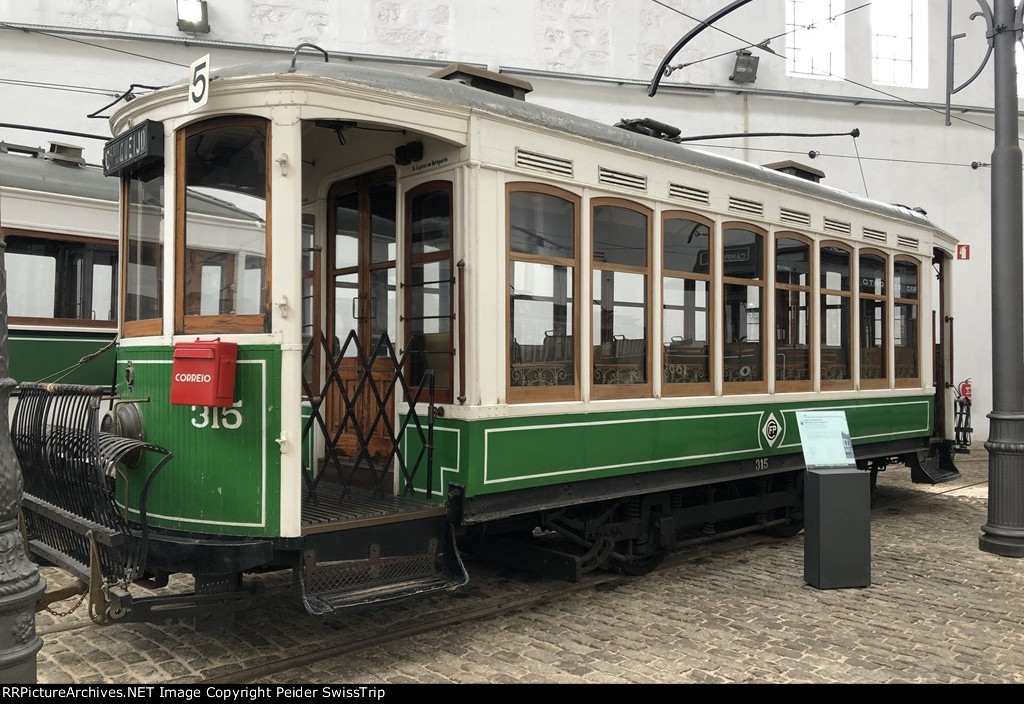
(795, 513)
(786, 530)
(640, 566)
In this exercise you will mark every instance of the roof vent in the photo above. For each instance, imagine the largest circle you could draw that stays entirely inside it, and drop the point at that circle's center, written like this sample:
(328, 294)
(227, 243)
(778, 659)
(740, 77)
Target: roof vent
(485, 80)
(61, 153)
(795, 169)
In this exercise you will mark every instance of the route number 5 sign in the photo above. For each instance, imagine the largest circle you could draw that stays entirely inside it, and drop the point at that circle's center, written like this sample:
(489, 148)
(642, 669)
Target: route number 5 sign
(199, 83)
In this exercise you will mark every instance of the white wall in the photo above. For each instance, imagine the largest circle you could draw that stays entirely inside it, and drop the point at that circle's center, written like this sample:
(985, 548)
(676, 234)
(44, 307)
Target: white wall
(82, 53)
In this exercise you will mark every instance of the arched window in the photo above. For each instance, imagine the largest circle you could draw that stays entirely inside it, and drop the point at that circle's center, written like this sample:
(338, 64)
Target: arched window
(543, 236)
(686, 303)
(906, 332)
(743, 308)
(792, 313)
(836, 316)
(223, 240)
(873, 320)
(428, 287)
(621, 280)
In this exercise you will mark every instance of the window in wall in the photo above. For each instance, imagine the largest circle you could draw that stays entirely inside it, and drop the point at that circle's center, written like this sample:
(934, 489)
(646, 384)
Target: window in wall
(144, 254)
(621, 232)
(836, 317)
(873, 321)
(686, 303)
(222, 240)
(899, 43)
(815, 39)
(906, 324)
(742, 306)
(543, 231)
(428, 287)
(792, 313)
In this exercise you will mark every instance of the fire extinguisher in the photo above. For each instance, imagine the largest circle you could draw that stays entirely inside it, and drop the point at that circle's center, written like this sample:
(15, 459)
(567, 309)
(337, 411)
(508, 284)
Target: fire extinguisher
(964, 391)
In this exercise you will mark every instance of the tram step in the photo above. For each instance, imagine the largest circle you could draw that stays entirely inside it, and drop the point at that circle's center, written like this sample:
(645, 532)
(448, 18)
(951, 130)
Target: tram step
(337, 584)
(936, 468)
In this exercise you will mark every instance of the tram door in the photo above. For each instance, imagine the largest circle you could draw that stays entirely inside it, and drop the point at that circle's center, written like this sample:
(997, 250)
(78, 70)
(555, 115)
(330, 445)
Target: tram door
(361, 280)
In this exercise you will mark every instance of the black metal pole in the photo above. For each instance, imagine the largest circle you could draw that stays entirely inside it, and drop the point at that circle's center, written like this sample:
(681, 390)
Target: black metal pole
(20, 583)
(1003, 533)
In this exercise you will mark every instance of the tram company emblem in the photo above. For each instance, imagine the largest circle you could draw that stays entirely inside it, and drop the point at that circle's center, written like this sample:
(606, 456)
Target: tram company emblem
(771, 429)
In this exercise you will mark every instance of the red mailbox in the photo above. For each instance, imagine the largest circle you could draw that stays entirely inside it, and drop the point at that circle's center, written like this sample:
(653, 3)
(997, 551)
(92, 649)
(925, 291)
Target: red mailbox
(204, 373)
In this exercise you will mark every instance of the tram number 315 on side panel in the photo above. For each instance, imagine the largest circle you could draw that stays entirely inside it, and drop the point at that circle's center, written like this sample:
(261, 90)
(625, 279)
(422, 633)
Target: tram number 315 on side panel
(215, 418)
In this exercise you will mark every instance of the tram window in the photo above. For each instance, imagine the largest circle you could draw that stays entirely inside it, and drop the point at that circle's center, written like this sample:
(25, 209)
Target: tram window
(59, 279)
(743, 301)
(223, 186)
(874, 335)
(836, 319)
(542, 286)
(144, 253)
(792, 313)
(310, 304)
(253, 285)
(429, 305)
(620, 294)
(31, 284)
(103, 295)
(906, 325)
(686, 303)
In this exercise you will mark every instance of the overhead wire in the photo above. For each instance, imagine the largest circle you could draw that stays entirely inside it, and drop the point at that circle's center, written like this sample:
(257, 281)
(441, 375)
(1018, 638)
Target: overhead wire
(870, 88)
(52, 35)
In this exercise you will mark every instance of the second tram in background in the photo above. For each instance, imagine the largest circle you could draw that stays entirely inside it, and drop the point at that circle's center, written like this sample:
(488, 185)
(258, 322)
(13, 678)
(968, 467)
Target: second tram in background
(397, 314)
(59, 221)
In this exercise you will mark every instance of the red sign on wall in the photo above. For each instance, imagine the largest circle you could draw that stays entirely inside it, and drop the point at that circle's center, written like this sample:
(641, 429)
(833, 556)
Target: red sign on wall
(963, 251)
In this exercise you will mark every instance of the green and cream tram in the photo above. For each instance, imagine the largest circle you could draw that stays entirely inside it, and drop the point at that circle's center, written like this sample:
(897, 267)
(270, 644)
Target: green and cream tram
(396, 316)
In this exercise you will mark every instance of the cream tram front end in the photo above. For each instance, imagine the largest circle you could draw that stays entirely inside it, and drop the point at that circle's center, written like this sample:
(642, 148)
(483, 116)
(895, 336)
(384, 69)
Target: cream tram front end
(374, 315)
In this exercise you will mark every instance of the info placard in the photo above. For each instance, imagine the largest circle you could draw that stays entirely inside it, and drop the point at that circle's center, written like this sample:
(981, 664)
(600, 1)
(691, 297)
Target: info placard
(825, 438)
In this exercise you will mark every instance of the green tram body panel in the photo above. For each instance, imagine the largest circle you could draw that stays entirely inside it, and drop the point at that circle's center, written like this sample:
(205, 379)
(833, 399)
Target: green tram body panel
(495, 455)
(225, 476)
(44, 356)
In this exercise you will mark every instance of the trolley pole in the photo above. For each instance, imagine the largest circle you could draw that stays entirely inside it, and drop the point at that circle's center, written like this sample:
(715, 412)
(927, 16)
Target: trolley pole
(20, 583)
(1003, 533)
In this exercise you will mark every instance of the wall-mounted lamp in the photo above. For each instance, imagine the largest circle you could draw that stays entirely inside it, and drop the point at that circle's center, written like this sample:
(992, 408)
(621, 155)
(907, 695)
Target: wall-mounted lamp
(192, 16)
(409, 153)
(745, 70)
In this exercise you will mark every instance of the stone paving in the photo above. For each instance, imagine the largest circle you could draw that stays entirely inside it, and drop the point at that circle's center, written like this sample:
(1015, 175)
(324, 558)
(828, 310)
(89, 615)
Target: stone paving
(938, 610)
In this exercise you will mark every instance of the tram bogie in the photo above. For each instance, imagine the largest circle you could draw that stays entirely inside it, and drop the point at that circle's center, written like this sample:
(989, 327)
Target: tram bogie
(466, 321)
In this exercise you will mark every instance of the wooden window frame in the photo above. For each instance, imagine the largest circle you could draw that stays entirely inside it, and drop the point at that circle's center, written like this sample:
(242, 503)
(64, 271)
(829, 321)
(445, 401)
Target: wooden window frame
(886, 299)
(445, 395)
(704, 388)
(616, 391)
(149, 326)
(242, 323)
(314, 277)
(759, 386)
(783, 385)
(848, 294)
(539, 394)
(914, 381)
(85, 324)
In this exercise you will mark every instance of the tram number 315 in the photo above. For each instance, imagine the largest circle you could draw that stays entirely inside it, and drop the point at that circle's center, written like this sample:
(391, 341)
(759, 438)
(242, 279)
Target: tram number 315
(215, 418)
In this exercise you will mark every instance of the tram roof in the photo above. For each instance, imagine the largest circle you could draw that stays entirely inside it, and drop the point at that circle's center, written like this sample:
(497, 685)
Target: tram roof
(456, 93)
(32, 171)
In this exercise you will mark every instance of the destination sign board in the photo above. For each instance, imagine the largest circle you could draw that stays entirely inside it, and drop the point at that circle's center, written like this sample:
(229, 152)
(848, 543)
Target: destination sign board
(138, 147)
